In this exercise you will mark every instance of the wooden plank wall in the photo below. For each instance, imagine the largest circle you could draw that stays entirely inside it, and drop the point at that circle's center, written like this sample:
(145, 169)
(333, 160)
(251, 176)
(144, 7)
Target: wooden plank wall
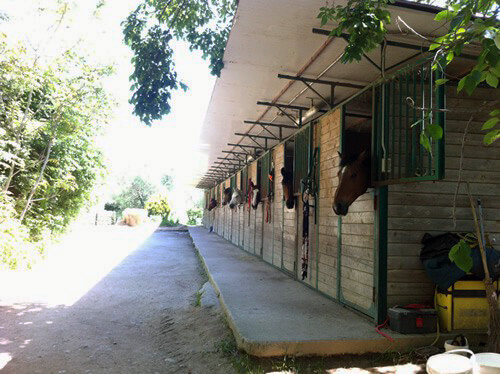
(417, 208)
(279, 161)
(357, 254)
(281, 239)
(328, 222)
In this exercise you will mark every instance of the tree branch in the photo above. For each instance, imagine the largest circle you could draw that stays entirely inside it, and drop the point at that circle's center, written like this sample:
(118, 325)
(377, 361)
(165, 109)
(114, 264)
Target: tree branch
(411, 103)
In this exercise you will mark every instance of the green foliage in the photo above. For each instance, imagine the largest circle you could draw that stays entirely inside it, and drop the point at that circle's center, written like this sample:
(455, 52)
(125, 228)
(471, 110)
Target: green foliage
(135, 194)
(460, 254)
(467, 21)
(169, 222)
(168, 182)
(158, 206)
(49, 161)
(149, 31)
(194, 216)
(364, 21)
(17, 250)
(112, 207)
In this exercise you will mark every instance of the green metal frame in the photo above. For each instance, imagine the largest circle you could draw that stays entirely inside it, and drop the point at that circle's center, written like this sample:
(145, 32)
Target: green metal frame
(264, 179)
(419, 80)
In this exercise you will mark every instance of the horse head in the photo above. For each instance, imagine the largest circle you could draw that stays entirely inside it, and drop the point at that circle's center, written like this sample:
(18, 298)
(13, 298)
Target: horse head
(354, 179)
(227, 196)
(235, 198)
(212, 204)
(287, 183)
(255, 195)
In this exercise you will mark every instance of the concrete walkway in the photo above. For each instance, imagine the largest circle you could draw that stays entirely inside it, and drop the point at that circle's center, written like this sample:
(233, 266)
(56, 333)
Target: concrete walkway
(271, 314)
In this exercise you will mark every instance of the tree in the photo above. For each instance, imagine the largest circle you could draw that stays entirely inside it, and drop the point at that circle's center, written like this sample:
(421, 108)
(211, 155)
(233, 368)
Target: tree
(194, 216)
(149, 31)
(470, 22)
(158, 206)
(50, 115)
(168, 182)
(135, 194)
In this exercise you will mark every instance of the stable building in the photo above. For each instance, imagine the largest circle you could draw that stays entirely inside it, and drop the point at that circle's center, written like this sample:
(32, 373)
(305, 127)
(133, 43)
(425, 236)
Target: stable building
(284, 100)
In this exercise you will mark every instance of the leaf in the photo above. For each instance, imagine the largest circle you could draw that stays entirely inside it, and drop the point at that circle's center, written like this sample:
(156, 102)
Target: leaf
(491, 137)
(424, 141)
(441, 81)
(460, 254)
(434, 46)
(491, 80)
(497, 39)
(457, 21)
(434, 131)
(496, 112)
(489, 124)
(444, 14)
(461, 84)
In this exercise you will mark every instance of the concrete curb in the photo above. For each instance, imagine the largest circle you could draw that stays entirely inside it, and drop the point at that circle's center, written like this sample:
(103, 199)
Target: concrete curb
(240, 340)
(314, 347)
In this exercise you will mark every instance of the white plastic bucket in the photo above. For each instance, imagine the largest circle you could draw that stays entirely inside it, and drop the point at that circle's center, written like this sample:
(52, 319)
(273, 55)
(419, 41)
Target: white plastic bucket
(487, 363)
(451, 363)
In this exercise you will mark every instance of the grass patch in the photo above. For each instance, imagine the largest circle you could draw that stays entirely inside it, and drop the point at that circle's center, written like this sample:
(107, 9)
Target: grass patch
(197, 300)
(246, 364)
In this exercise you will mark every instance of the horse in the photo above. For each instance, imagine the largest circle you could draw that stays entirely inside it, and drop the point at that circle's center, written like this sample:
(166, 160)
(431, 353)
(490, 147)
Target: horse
(255, 197)
(236, 198)
(212, 204)
(354, 179)
(228, 192)
(287, 183)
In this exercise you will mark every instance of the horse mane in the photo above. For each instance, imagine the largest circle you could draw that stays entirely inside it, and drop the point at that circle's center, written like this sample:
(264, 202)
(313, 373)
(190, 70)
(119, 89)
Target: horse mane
(347, 159)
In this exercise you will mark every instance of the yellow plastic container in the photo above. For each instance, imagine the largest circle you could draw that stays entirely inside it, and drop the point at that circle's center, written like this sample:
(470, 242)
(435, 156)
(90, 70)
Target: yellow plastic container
(463, 306)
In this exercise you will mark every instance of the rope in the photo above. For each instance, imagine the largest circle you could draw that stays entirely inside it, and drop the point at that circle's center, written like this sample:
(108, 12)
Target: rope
(377, 329)
(305, 240)
(268, 211)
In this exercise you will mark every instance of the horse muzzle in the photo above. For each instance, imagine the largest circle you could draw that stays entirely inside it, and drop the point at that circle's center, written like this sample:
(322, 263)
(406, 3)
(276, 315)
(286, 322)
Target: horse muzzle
(340, 209)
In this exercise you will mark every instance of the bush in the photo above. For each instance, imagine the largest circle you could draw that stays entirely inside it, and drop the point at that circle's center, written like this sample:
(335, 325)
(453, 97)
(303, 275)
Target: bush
(17, 251)
(158, 206)
(166, 222)
(194, 216)
(112, 207)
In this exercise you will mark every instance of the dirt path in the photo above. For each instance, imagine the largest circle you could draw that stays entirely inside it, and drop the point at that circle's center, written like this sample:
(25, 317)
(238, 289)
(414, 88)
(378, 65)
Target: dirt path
(133, 313)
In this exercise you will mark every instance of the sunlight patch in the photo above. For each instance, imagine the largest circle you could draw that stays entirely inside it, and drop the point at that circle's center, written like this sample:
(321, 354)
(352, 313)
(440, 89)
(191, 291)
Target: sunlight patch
(4, 359)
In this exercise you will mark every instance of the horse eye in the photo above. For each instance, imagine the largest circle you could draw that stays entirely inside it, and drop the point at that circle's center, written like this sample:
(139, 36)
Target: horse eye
(354, 175)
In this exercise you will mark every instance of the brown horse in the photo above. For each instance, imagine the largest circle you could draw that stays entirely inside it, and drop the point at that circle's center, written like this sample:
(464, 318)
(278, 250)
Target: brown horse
(228, 192)
(354, 179)
(212, 204)
(287, 183)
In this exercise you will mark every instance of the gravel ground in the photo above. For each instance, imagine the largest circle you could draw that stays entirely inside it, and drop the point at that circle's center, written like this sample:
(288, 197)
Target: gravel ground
(111, 300)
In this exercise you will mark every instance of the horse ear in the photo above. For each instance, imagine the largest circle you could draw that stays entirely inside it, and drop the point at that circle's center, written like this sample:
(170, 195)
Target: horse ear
(340, 155)
(363, 156)
(283, 172)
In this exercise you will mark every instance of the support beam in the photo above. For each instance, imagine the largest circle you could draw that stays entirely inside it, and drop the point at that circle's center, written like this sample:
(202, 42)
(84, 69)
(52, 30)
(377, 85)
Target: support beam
(236, 153)
(392, 43)
(256, 136)
(320, 81)
(358, 115)
(230, 159)
(286, 106)
(282, 126)
(247, 146)
(405, 60)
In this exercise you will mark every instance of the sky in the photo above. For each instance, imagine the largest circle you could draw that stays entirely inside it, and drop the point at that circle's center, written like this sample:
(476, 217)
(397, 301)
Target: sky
(131, 147)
